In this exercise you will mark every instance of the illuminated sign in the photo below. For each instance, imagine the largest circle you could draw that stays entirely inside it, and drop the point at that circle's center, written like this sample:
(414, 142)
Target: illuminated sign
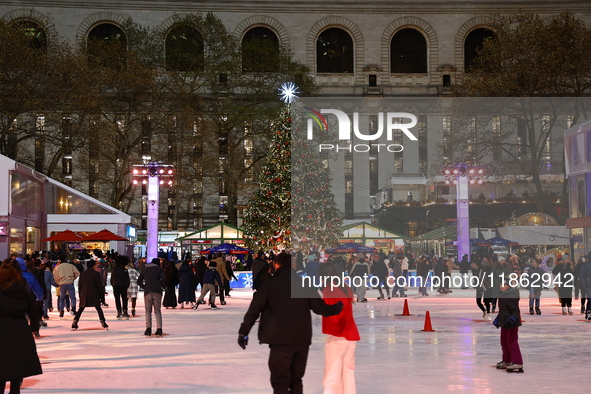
(3, 228)
(131, 232)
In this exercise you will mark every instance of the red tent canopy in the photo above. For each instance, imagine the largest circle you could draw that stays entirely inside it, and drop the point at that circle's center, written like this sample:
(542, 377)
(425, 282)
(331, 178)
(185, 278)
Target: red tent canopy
(104, 236)
(64, 236)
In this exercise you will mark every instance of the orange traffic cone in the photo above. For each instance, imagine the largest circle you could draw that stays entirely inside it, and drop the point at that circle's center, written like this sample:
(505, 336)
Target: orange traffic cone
(405, 311)
(428, 326)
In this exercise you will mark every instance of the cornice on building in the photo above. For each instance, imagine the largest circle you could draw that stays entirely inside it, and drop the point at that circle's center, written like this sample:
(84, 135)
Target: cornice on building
(303, 6)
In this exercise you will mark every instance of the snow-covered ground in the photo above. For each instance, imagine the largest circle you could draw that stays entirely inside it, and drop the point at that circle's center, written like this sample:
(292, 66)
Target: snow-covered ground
(199, 353)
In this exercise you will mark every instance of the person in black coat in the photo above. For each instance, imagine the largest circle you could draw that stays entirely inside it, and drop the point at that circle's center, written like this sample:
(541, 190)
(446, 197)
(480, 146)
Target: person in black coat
(378, 268)
(423, 268)
(152, 279)
(18, 353)
(509, 320)
(231, 275)
(565, 288)
(172, 279)
(186, 284)
(91, 293)
(285, 324)
(120, 282)
(464, 269)
(200, 268)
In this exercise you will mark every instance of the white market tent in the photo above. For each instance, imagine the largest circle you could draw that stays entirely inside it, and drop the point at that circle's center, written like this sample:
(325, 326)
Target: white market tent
(33, 206)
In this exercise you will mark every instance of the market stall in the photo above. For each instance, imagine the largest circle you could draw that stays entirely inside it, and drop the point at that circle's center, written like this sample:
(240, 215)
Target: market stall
(370, 235)
(217, 234)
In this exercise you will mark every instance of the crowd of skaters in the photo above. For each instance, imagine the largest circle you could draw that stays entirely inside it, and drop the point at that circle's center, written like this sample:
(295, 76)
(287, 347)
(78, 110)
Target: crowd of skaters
(159, 280)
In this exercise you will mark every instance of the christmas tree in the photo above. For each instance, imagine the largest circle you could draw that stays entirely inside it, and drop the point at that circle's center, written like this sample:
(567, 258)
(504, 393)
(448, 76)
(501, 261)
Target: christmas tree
(316, 220)
(267, 220)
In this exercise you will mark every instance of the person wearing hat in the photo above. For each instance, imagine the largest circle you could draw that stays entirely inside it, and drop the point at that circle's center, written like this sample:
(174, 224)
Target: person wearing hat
(91, 293)
(211, 279)
(152, 279)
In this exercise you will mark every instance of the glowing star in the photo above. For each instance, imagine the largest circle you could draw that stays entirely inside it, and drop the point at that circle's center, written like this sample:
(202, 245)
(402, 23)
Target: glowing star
(289, 92)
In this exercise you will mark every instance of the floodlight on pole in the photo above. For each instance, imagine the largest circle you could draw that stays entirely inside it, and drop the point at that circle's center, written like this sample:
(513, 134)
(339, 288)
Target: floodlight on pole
(462, 175)
(150, 174)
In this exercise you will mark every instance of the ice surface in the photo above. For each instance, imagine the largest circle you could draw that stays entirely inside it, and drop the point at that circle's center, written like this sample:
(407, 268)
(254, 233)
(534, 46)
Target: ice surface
(199, 353)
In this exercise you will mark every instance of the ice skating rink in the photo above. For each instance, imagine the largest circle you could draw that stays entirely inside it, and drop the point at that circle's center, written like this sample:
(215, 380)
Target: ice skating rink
(199, 354)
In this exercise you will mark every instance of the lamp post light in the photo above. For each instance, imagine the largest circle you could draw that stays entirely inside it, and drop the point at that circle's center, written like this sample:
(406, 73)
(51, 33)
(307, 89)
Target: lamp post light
(463, 175)
(153, 175)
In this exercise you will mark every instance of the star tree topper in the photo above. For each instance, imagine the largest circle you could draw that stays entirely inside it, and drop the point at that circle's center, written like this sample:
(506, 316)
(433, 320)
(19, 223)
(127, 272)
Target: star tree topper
(289, 92)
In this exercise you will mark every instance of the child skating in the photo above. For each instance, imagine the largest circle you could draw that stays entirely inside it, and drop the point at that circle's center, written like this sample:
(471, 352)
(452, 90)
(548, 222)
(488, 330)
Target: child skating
(509, 320)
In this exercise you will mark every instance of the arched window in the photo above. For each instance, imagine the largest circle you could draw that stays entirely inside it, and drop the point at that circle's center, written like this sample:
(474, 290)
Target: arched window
(408, 52)
(260, 50)
(184, 49)
(334, 52)
(108, 43)
(473, 43)
(36, 36)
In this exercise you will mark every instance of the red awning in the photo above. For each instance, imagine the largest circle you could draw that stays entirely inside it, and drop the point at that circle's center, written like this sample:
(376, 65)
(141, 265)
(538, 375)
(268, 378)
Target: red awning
(104, 236)
(64, 236)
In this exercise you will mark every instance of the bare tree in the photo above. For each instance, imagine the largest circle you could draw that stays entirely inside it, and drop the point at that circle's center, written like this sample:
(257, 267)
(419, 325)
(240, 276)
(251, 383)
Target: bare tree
(530, 56)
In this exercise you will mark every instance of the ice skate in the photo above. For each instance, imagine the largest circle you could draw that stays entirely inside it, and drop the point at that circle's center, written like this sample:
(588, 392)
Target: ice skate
(380, 298)
(61, 314)
(133, 312)
(196, 306)
(148, 331)
(570, 311)
(531, 310)
(484, 316)
(158, 332)
(502, 365)
(104, 324)
(214, 307)
(223, 302)
(564, 310)
(514, 368)
(582, 310)
(538, 311)
(588, 315)
(74, 325)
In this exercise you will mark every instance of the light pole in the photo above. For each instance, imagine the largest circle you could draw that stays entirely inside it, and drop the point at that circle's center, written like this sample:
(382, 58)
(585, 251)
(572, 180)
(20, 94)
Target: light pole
(153, 175)
(462, 175)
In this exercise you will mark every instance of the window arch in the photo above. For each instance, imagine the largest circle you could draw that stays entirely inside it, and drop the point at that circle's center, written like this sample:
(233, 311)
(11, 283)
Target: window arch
(108, 43)
(184, 49)
(260, 50)
(35, 34)
(334, 51)
(473, 43)
(408, 52)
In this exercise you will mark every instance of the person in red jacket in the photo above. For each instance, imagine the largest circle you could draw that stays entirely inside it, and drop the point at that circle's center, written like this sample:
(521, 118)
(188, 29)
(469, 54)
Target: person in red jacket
(339, 364)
